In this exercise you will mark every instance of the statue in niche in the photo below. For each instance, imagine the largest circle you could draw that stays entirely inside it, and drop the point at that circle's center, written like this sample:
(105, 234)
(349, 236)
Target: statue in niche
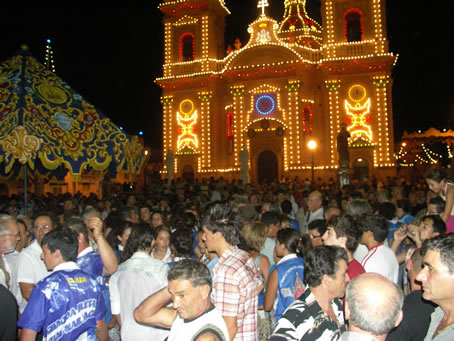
(244, 160)
(342, 147)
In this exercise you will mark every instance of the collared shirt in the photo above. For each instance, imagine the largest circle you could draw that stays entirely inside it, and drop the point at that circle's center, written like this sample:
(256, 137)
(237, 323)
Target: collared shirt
(235, 290)
(354, 336)
(91, 262)
(65, 305)
(445, 334)
(305, 320)
(30, 267)
(12, 261)
(311, 216)
(136, 279)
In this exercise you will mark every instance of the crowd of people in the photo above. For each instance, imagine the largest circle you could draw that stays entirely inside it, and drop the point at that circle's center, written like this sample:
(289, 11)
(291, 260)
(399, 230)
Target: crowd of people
(219, 260)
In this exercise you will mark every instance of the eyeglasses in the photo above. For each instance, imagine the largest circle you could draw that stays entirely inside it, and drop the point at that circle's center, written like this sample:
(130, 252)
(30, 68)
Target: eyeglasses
(313, 237)
(42, 228)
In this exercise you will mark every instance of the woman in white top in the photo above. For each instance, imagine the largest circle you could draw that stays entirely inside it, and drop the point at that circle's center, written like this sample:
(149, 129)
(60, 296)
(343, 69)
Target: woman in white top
(161, 249)
(438, 182)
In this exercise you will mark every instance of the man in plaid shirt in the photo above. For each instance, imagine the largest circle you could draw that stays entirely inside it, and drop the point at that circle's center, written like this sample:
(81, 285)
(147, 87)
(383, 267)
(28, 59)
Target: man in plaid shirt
(236, 282)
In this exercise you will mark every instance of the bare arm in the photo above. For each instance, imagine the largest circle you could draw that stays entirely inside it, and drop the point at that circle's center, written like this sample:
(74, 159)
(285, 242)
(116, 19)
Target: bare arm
(27, 335)
(264, 266)
(101, 330)
(232, 327)
(271, 291)
(449, 204)
(108, 257)
(118, 319)
(26, 289)
(153, 311)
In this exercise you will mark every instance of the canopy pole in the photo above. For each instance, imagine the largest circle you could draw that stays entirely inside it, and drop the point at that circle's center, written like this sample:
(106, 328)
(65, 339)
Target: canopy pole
(25, 190)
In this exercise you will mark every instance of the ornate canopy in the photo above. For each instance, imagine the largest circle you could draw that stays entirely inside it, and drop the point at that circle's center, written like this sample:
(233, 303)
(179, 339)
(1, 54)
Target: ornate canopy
(49, 127)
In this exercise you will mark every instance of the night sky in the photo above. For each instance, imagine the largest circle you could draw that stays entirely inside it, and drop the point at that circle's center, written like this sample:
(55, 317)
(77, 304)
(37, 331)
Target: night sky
(112, 54)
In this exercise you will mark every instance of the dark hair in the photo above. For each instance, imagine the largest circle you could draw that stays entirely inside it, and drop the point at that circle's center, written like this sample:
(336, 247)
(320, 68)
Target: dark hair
(439, 204)
(387, 209)
(320, 261)
(404, 204)
(443, 244)
(187, 269)
(141, 238)
(163, 216)
(163, 228)
(346, 226)
(305, 245)
(221, 218)
(67, 215)
(436, 175)
(286, 206)
(64, 240)
(319, 225)
(77, 225)
(377, 224)
(50, 215)
(182, 241)
(290, 238)
(438, 224)
(271, 218)
(117, 231)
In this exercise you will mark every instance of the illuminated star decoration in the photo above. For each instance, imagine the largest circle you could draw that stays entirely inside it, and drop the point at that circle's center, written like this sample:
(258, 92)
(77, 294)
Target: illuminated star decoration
(187, 136)
(262, 4)
(358, 119)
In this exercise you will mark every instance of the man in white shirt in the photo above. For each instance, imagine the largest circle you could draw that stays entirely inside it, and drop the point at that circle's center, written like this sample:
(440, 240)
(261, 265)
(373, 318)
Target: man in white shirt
(30, 267)
(137, 277)
(380, 258)
(193, 316)
(9, 235)
(314, 209)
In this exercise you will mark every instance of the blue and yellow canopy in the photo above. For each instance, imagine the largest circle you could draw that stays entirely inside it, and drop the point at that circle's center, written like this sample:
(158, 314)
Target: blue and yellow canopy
(47, 126)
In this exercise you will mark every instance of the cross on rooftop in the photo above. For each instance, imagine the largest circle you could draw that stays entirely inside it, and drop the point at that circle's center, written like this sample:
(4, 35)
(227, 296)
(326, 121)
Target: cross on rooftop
(262, 4)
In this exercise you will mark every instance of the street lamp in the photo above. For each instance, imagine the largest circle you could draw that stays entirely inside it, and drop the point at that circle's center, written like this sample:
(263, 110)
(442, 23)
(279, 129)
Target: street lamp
(312, 145)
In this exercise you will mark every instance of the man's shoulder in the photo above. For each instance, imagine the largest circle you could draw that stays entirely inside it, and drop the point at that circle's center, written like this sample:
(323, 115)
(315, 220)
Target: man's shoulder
(31, 251)
(146, 266)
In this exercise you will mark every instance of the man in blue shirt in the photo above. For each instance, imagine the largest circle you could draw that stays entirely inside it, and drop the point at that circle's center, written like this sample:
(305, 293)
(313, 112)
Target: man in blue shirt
(67, 304)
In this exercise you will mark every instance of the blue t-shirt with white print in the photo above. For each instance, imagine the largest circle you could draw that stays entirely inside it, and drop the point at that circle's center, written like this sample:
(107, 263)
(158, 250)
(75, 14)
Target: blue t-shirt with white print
(65, 305)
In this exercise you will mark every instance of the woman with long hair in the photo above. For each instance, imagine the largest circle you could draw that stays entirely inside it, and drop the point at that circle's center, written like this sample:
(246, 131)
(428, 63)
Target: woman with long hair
(162, 249)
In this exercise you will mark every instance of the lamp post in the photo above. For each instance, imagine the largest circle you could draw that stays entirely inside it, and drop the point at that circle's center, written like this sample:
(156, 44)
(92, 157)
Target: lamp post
(312, 145)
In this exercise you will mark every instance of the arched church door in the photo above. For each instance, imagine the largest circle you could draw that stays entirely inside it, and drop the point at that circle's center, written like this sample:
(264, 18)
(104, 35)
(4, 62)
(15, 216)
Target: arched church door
(267, 167)
(188, 173)
(360, 169)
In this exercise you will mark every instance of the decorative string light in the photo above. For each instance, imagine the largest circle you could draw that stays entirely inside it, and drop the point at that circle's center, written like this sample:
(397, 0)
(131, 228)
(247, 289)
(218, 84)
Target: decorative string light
(299, 40)
(49, 57)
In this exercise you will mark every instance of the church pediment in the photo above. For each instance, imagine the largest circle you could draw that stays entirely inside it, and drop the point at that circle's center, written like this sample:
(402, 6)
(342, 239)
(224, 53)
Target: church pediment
(263, 56)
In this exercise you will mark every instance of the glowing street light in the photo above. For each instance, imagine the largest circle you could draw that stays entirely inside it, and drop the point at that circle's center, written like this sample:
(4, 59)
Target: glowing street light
(312, 145)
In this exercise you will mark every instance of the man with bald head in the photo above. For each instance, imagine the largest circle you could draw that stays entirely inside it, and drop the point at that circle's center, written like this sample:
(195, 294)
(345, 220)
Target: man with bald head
(314, 209)
(373, 306)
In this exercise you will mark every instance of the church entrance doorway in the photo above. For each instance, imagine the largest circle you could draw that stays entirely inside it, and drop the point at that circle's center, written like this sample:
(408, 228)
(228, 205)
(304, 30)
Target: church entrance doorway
(188, 173)
(267, 167)
(360, 169)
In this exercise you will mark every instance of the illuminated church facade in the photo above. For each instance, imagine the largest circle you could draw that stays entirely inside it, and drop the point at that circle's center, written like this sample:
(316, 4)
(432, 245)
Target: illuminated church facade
(292, 82)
